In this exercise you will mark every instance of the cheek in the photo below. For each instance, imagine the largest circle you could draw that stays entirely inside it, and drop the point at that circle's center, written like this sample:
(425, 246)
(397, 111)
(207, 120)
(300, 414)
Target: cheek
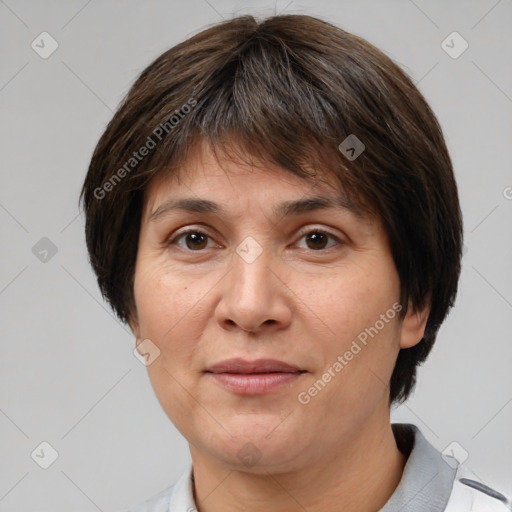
(169, 312)
(354, 381)
(171, 390)
(162, 298)
(349, 301)
(360, 313)
(173, 312)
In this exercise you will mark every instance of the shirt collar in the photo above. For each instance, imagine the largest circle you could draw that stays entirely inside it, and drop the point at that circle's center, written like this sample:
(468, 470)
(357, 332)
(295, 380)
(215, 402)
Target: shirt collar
(427, 480)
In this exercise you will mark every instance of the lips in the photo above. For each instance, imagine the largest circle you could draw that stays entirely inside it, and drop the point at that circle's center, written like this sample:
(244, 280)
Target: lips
(254, 377)
(241, 366)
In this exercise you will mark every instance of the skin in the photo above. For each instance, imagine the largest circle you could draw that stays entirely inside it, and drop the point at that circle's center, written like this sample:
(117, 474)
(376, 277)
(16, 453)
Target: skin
(199, 302)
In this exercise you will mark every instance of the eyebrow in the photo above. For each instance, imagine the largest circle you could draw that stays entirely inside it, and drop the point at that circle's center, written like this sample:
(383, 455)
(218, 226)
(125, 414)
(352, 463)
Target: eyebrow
(284, 209)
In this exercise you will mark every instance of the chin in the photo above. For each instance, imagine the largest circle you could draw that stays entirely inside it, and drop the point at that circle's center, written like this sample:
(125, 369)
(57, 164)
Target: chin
(259, 449)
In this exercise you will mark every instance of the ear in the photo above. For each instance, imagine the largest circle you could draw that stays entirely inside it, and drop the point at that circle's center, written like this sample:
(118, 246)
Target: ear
(413, 326)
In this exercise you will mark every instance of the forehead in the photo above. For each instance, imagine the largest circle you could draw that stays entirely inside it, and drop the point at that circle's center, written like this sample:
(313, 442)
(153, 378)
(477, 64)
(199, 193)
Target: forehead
(205, 176)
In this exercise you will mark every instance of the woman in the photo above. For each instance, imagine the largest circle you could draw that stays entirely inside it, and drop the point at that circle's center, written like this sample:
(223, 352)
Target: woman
(273, 211)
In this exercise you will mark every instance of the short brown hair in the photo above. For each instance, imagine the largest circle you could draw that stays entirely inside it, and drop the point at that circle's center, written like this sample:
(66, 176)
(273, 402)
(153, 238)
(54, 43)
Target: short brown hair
(289, 90)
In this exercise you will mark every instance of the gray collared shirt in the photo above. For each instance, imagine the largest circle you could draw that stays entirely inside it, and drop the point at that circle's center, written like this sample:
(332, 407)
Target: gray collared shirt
(425, 486)
(427, 480)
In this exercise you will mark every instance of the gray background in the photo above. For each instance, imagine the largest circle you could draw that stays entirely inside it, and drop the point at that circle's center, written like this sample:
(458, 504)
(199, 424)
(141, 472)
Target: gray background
(68, 375)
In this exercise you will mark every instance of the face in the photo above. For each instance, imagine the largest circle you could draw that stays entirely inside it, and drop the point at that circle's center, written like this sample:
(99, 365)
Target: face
(278, 329)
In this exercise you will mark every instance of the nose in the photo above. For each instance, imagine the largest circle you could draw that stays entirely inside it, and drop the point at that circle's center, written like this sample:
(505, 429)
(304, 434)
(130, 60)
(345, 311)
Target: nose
(254, 296)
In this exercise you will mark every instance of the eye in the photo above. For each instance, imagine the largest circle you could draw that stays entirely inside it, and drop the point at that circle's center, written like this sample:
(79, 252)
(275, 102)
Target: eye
(193, 239)
(317, 239)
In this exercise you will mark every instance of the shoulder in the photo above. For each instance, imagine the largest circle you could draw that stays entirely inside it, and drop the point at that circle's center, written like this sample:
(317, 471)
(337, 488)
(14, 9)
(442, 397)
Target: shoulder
(470, 495)
(158, 503)
(438, 481)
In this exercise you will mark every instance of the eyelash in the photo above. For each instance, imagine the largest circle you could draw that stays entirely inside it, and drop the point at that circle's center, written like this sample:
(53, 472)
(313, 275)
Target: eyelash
(176, 238)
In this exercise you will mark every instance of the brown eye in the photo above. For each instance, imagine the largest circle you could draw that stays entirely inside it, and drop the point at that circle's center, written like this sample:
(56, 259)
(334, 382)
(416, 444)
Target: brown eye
(193, 240)
(196, 240)
(318, 240)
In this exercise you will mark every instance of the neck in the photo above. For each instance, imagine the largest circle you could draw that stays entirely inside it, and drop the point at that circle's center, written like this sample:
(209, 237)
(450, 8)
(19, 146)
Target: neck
(360, 475)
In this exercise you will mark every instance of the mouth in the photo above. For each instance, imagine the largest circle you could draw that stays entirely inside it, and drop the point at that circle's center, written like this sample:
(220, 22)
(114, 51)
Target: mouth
(254, 377)
(242, 366)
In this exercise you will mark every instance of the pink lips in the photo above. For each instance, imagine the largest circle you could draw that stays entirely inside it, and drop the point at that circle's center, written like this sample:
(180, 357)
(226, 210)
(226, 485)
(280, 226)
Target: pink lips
(253, 377)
